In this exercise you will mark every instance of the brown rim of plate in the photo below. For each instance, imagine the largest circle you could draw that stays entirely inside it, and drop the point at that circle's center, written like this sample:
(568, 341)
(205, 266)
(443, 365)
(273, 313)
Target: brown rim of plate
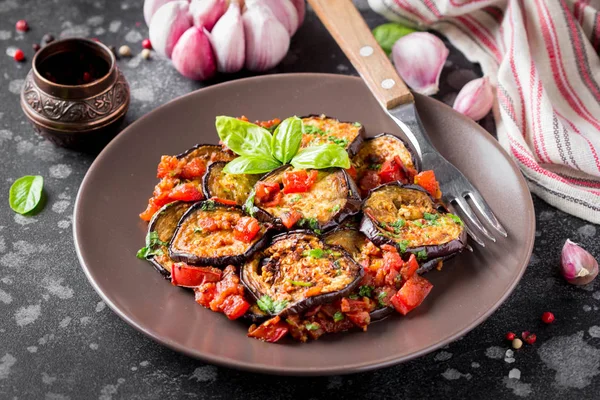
(449, 313)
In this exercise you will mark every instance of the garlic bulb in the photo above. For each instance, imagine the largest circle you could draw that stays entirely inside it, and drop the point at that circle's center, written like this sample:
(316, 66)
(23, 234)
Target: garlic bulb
(267, 40)
(475, 99)
(300, 9)
(419, 58)
(151, 6)
(283, 10)
(167, 25)
(227, 39)
(578, 266)
(206, 13)
(193, 56)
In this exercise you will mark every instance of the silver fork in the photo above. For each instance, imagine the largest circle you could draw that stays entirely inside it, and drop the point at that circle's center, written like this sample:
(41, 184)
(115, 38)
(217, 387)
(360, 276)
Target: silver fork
(350, 31)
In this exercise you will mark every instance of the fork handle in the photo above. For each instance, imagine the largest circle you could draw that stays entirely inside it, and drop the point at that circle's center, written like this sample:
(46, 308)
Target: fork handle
(348, 28)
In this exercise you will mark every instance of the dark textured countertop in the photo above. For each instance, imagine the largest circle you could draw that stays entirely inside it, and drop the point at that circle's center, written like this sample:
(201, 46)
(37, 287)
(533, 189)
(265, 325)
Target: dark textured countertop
(58, 340)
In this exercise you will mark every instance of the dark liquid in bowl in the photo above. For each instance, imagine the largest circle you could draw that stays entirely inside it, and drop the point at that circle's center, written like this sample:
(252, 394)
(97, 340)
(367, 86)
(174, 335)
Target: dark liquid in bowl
(73, 68)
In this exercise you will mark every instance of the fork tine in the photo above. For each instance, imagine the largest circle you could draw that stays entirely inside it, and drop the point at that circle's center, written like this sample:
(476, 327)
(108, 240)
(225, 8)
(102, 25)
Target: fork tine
(466, 209)
(486, 211)
(469, 231)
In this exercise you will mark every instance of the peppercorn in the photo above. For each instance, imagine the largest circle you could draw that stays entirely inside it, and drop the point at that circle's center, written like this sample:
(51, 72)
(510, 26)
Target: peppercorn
(19, 55)
(146, 54)
(510, 336)
(146, 44)
(47, 38)
(22, 26)
(87, 77)
(125, 51)
(529, 337)
(517, 343)
(547, 317)
(36, 47)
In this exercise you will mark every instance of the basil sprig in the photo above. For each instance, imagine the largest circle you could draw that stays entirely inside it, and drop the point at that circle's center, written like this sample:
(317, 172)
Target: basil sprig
(26, 193)
(260, 152)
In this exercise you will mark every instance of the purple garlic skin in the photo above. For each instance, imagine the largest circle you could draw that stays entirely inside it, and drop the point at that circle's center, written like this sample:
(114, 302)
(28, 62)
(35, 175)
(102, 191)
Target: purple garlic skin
(193, 56)
(151, 6)
(267, 40)
(206, 13)
(167, 25)
(283, 10)
(475, 99)
(301, 9)
(228, 40)
(419, 58)
(578, 266)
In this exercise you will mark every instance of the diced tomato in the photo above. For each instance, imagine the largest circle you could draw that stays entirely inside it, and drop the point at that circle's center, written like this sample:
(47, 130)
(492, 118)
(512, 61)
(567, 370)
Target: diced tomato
(352, 172)
(427, 181)
(299, 181)
(243, 118)
(160, 195)
(370, 180)
(391, 258)
(186, 275)
(224, 201)
(186, 192)
(411, 294)
(229, 285)
(409, 268)
(246, 229)
(205, 294)
(169, 166)
(289, 218)
(268, 193)
(392, 171)
(150, 210)
(349, 305)
(269, 331)
(360, 318)
(268, 124)
(235, 306)
(208, 224)
(194, 169)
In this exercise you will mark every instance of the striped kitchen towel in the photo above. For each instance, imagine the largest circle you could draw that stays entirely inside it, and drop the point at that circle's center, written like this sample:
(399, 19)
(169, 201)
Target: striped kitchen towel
(542, 57)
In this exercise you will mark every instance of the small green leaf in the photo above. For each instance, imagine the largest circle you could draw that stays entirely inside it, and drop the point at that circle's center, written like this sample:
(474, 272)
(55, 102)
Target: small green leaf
(418, 223)
(387, 34)
(338, 316)
(365, 290)
(300, 283)
(266, 304)
(26, 193)
(251, 165)
(403, 244)
(381, 298)
(312, 130)
(322, 156)
(311, 223)
(421, 255)
(314, 253)
(249, 204)
(456, 219)
(152, 248)
(353, 297)
(244, 138)
(286, 139)
(313, 326)
(430, 217)
(208, 205)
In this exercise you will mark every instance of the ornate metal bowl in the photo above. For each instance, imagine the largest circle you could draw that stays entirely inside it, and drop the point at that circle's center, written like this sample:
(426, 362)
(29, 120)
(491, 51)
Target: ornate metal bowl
(82, 117)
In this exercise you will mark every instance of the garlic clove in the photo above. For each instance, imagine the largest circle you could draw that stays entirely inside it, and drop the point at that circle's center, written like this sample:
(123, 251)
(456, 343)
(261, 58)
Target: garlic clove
(267, 40)
(475, 99)
(193, 56)
(227, 40)
(206, 13)
(419, 58)
(167, 25)
(300, 9)
(578, 266)
(151, 6)
(283, 10)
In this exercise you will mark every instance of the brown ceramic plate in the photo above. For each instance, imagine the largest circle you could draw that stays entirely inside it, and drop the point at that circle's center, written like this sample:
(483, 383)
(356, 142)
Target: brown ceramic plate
(108, 232)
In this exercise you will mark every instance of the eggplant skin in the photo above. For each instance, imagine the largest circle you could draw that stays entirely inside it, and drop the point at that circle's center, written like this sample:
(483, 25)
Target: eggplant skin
(210, 152)
(452, 235)
(164, 222)
(380, 314)
(300, 256)
(352, 132)
(234, 187)
(371, 153)
(198, 251)
(322, 197)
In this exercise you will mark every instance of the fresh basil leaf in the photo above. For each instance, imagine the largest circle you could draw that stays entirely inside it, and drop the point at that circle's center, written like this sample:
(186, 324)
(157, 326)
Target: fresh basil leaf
(286, 139)
(26, 193)
(251, 165)
(387, 34)
(244, 138)
(322, 156)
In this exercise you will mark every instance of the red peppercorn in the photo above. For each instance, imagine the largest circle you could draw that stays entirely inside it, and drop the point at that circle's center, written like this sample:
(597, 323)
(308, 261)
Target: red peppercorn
(529, 337)
(510, 336)
(35, 46)
(146, 44)
(21, 26)
(548, 317)
(87, 77)
(19, 55)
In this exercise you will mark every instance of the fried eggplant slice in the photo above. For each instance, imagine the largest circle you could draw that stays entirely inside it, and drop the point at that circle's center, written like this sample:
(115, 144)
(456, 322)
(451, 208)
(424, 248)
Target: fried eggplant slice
(321, 129)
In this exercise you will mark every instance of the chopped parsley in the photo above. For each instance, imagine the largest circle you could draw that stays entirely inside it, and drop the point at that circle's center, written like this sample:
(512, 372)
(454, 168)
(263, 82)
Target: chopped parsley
(249, 204)
(418, 223)
(208, 205)
(381, 297)
(266, 304)
(300, 283)
(421, 255)
(314, 253)
(295, 198)
(403, 244)
(365, 291)
(339, 141)
(312, 130)
(152, 247)
(197, 229)
(311, 223)
(338, 316)
(357, 124)
(353, 297)
(335, 208)
(397, 225)
(312, 326)
(430, 217)
(456, 219)
(374, 167)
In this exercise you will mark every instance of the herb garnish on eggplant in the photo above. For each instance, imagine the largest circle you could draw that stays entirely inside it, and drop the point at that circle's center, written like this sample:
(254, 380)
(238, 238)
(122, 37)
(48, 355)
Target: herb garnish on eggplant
(234, 187)
(321, 129)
